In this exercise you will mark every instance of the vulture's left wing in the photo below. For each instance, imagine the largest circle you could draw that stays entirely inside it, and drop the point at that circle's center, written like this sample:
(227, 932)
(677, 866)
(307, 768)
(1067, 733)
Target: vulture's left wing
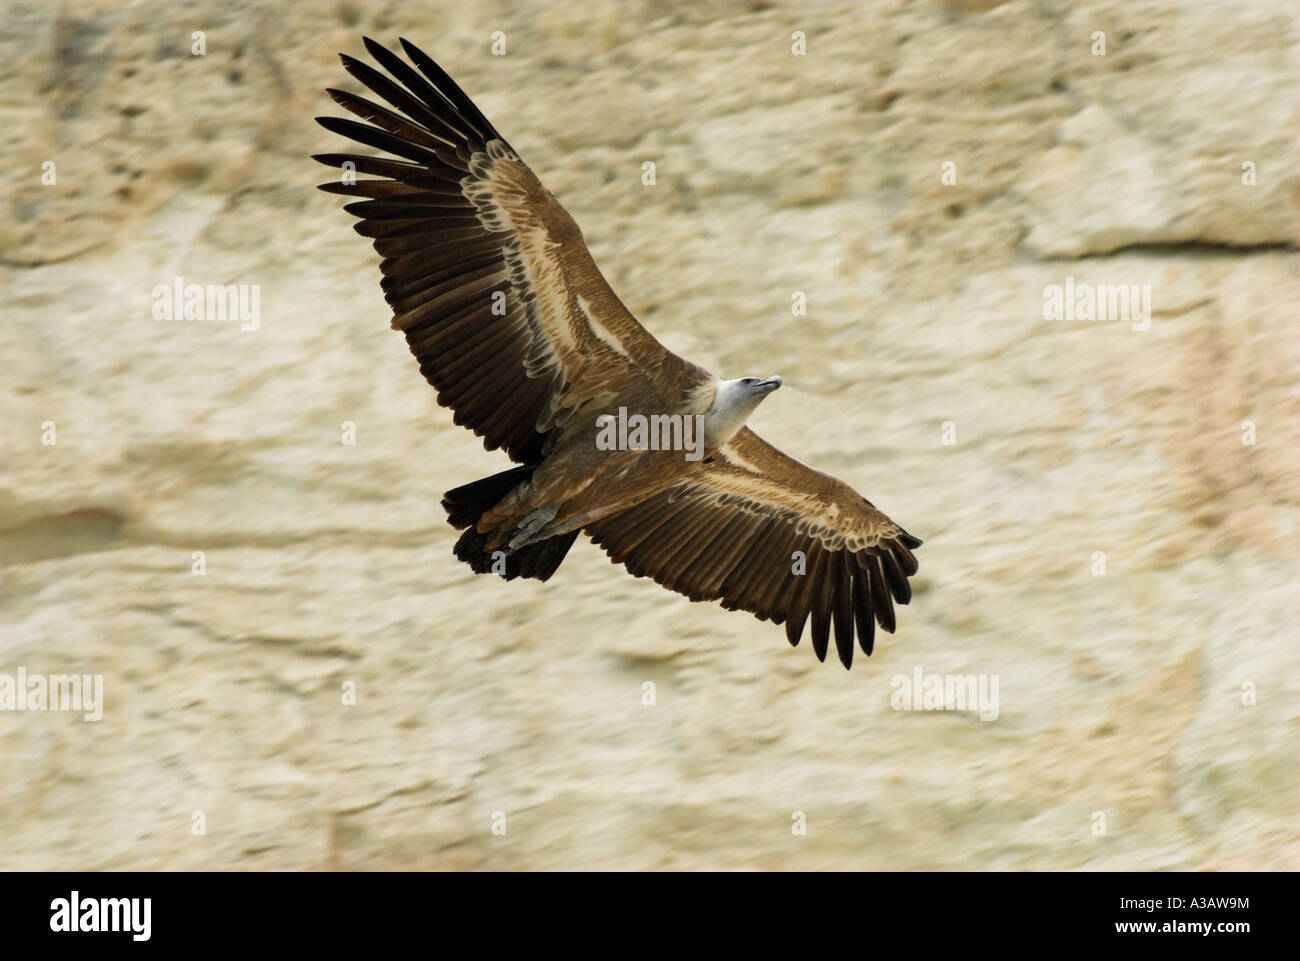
(764, 533)
(487, 274)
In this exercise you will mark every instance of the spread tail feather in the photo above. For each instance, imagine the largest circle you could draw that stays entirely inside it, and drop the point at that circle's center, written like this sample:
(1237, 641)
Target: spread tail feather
(465, 505)
(539, 560)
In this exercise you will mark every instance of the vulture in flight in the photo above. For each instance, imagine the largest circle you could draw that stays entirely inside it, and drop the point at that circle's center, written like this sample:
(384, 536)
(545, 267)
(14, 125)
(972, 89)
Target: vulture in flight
(513, 324)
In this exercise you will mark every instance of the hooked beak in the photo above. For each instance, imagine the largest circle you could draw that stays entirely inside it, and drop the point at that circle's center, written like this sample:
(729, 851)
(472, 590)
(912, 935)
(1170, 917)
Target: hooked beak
(767, 386)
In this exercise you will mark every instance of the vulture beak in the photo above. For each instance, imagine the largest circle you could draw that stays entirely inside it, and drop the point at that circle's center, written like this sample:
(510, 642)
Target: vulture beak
(767, 386)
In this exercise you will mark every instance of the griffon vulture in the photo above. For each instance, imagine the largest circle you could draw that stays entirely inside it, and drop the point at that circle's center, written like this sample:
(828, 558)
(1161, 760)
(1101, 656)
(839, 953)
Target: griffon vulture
(513, 324)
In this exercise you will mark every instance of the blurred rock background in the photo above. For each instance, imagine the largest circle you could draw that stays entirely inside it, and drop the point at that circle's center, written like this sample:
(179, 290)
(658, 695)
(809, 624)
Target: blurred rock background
(328, 564)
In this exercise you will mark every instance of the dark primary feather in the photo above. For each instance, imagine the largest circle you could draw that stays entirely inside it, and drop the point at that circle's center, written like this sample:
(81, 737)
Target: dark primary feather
(442, 268)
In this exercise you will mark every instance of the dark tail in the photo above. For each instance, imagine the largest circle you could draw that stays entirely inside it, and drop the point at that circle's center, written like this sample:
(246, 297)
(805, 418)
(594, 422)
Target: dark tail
(465, 505)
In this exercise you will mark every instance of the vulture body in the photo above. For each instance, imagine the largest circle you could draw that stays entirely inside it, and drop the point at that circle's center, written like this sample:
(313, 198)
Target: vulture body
(511, 321)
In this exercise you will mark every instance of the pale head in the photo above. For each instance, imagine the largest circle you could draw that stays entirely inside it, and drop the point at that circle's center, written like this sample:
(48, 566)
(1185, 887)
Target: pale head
(734, 401)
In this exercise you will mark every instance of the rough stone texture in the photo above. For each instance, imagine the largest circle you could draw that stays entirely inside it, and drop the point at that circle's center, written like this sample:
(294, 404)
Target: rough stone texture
(328, 564)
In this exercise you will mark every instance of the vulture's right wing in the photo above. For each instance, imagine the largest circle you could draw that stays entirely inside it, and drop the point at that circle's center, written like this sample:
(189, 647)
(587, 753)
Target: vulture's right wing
(764, 533)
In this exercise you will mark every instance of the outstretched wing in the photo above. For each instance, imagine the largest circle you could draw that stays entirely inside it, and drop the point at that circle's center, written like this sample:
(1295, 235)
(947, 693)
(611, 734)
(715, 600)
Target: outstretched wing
(764, 533)
(488, 276)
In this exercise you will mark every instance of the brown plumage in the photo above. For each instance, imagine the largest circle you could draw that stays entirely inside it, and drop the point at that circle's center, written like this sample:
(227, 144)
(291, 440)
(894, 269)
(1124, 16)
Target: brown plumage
(513, 324)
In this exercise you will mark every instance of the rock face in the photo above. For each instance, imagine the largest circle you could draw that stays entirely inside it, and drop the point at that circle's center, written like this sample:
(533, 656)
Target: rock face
(1108, 500)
